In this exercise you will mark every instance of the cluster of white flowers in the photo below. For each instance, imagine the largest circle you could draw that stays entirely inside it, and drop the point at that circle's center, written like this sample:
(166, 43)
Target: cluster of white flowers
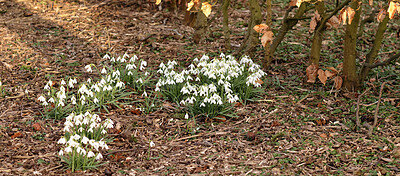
(222, 73)
(84, 137)
(127, 70)
(59, 98)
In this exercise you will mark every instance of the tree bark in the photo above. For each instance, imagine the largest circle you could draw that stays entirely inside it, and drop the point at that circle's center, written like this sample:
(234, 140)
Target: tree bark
(225, 23)
(318, 35)
(255, 19)
(200, 27)
(349, 61)
(287, 24)
(371, 56)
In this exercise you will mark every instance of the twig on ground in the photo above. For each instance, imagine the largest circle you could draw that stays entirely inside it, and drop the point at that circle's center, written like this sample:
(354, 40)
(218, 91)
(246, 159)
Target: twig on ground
(358, 107)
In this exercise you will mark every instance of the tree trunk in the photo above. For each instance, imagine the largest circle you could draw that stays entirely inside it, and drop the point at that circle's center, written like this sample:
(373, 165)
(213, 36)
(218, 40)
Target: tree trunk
(255, 19)
(225, 23)
(350, 54)
(200, 27)
(287, 25)
(318, 35)
(371, 56)
(269, 23)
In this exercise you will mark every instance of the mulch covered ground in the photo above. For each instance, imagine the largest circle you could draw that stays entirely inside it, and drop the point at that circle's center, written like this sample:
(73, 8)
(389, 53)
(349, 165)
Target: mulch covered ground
(279, 134)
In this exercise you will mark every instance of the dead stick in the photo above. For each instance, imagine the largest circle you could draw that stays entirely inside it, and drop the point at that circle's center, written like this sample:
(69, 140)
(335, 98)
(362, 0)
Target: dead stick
(377, 106)
(358, 108)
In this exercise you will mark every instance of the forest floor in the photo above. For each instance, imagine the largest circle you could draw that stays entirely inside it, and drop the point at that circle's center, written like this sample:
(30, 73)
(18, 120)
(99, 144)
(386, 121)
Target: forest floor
(294, 129)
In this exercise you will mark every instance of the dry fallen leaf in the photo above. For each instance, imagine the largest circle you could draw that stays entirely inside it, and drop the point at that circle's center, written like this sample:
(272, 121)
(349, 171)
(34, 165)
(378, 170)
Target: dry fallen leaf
(292, 3)
(311, 73)
(323, 135)
(322, 77)
(220, 118)
(338, 82)
(37, 126)
(16, 135)
(158, 2)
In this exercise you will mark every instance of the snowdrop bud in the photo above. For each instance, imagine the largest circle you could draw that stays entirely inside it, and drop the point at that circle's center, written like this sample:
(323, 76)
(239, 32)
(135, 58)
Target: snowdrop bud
(144, 94)
(186, 116)
(106, 56)
(90, 154)
(103, 71)
(62, 141)
(88, 68)
(99, 156)
(42, 99)
(61, 153)
(152, 144)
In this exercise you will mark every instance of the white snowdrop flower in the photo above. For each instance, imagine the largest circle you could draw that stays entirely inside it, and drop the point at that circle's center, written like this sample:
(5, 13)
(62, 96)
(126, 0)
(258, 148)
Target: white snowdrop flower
(146, 73)
(61, 153)
(85, 140)
(139, 80)
(62, 140)
(102, 144)
(152, 144)
(45, 103)
(90, 154)
(73, 100)
(144, 94)
(90, 130)
(42, 99)
(133, 59)
(109, 123)
(184, 90)
(202, 105)
(120, 84)
(212, 88)
(63, 82)
(103, 71)
(143, 64)
(109, 88)
(81, 150)
(186, 116)
(157, 89)
(222, 55)
(80, 129)
(118, 58)
(112, 59)
(73, 143)
(68, 149)
(197, 79)
(76, 137)
(116, 74)
(102, 82)
(88, 68)
(103, 131)
(106, 56)
(89, 80)
(51, 100)
(82, 89)
(125, 55)
(182, 102)
(130, 73)
(95, 100)
(61, 103)
(71, 83)
(123, 60)
(46, 87)
(99, 156)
